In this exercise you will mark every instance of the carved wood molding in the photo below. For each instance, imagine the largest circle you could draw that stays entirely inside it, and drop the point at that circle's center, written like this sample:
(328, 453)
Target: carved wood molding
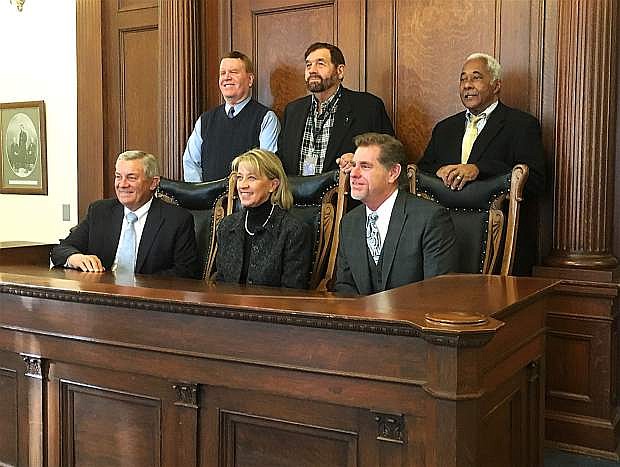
(180, 74)
(187, 395)
(477, 338)
(584, 137)
(36, 367)
(390, 428)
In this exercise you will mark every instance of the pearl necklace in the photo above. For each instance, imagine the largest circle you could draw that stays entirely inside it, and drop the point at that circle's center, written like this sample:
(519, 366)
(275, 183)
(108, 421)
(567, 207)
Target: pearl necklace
(264, 223)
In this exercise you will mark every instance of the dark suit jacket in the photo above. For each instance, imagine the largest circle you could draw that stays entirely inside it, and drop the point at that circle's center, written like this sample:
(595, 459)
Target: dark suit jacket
(509, 137)
(281, 255)
(167, 245)
(357, 113)
(420, 243)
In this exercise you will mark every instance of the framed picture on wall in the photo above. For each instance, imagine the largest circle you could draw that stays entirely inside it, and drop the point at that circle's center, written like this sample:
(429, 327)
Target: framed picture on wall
(23, 167)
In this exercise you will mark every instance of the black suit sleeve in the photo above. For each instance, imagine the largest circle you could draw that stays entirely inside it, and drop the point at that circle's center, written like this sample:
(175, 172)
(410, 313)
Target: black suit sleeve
(439, 245)
(184, 251)
(430, 162)
(384, 124)
(345, 283)
(526, 148)
(76, 242)
(288, 147)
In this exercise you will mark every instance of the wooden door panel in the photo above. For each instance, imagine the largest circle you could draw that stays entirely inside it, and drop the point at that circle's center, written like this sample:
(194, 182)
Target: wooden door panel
(264, 430)
(262, 442)
(130, 43)
(106, 427)
(139, 102)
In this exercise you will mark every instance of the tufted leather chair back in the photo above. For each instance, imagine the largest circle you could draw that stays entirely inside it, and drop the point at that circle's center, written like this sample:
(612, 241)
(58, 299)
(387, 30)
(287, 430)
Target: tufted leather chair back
(486, 226)
(205, 200)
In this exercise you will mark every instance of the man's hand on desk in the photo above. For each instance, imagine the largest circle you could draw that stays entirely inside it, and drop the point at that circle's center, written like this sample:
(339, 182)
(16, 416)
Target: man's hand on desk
(86, 263)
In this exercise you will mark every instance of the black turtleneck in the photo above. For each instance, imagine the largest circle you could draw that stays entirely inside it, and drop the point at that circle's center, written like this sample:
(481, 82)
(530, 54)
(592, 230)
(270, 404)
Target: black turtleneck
(257, 216)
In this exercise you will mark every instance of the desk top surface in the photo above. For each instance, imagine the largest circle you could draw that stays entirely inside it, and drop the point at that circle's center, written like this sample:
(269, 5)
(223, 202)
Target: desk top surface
(447, 304)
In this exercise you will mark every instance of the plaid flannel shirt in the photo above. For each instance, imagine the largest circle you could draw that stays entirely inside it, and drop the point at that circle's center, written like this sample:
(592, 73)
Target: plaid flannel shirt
(317, 132)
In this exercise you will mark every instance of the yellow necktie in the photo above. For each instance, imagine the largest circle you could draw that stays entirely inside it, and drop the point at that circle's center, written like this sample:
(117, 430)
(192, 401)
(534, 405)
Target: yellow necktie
(471, 133)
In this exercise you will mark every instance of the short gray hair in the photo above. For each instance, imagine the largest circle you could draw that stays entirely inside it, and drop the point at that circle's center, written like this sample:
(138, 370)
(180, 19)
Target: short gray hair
(492, 64)
(149, 161)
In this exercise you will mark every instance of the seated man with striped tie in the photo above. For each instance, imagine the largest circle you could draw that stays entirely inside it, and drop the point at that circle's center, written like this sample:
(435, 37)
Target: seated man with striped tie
(134, 232)
(406, 238)
(488, 138)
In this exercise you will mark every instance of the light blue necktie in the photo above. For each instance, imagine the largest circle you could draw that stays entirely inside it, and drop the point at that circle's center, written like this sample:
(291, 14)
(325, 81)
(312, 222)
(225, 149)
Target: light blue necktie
(126, 257)
(373, 237)
(231, 112)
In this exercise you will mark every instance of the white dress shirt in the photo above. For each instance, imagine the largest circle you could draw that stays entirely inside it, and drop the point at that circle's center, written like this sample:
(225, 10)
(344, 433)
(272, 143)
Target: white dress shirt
(142, 212)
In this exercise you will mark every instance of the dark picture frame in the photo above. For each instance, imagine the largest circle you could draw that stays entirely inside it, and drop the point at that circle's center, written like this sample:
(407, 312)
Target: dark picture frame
(23, 148)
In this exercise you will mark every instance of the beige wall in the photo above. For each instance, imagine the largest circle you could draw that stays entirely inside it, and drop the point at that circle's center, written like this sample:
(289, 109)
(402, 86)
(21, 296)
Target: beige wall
(38, 63)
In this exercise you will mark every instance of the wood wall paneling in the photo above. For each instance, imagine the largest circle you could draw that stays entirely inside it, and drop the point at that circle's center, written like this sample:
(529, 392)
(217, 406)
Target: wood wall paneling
(280, 70)
(111, 428)
(584, 146)
(128, 5)
(276, 34)
(139, 97)
(8, 409)
(180, 80)
(131, 82)
(90, 145)
(582, 358)
(251, 440)
(429, 60)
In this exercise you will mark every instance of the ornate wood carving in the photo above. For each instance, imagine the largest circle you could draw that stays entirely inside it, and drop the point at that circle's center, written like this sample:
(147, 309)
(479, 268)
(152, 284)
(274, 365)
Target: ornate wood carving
(390, 428)
(187, 395)
(36, 367)
(373, 327)
(179, 64)
(584, 137)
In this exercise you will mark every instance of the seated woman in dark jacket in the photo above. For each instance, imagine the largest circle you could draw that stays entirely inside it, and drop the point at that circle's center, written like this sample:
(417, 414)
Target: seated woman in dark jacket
(263, 244)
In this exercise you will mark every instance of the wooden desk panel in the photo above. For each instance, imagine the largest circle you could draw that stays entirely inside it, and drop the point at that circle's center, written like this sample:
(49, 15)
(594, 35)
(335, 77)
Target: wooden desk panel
(154, 371)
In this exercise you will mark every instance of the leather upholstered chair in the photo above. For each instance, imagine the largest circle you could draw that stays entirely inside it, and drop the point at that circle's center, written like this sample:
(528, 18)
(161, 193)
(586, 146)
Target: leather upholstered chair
(320, 201)
(485, 227)
(206, 201)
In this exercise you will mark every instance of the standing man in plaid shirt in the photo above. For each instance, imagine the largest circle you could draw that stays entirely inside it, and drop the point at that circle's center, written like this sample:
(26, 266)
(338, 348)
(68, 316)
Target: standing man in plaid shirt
(319, 128)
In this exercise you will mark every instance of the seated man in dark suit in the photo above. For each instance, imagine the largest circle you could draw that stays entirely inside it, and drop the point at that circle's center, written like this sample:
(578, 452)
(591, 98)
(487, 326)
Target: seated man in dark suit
(488, 138)
(405, 238)
(135, 232)
(319, 128)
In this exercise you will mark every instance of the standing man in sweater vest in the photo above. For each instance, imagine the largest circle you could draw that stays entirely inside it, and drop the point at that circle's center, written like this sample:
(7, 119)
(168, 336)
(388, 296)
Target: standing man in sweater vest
(224, 132)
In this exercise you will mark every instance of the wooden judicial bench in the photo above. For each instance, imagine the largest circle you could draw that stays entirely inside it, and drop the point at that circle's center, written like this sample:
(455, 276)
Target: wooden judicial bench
(145, 371)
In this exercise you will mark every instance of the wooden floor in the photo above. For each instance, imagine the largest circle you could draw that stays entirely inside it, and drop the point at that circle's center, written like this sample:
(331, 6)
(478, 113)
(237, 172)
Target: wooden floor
(555, 458)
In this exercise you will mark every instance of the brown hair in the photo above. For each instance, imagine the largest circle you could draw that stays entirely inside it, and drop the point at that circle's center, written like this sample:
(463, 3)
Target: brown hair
(392, 151)
(249, 66)
(335, 53)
